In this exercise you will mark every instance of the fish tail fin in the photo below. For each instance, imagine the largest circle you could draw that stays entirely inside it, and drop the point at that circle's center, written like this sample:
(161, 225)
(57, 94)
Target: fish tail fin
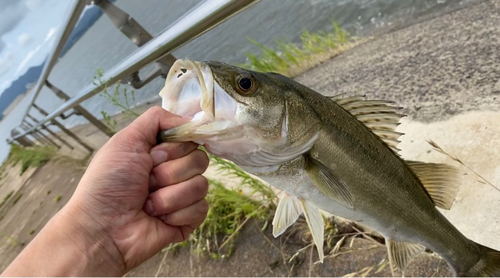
(488, 266)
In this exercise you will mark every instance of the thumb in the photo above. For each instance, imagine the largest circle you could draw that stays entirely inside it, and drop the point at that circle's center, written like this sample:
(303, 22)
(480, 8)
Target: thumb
(145, 128)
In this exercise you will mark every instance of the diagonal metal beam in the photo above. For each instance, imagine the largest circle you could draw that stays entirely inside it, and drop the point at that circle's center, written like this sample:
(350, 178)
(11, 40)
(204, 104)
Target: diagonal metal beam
(80, 110)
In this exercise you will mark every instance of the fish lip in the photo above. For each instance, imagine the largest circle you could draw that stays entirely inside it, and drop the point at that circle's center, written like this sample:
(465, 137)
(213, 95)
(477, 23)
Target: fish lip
(205, 78)
(198, 128)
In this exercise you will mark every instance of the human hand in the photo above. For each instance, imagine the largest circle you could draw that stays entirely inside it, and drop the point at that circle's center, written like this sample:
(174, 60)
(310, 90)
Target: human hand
(135, 198)
(130, 173)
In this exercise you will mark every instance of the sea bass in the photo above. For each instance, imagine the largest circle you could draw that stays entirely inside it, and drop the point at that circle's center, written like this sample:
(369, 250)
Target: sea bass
(333, 154)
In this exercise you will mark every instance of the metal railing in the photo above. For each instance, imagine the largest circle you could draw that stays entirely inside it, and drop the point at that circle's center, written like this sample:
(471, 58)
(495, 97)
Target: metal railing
(151, 50)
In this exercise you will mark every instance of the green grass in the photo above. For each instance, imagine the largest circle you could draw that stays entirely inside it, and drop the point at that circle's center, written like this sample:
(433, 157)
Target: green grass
(30, 156)
(290, 60)
(121, 98)
(17, 198)
(6, 198)
(230, 209)
(57, 198)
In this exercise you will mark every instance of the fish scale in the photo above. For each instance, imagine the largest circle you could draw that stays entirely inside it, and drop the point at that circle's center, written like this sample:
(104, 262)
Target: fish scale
(325, 154)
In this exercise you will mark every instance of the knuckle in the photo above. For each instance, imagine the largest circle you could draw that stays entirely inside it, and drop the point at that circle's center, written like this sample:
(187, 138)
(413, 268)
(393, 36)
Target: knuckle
(203, 207)
(202, 184)
(201, 160)
(155, 110)
(199, 186)
(164, 175)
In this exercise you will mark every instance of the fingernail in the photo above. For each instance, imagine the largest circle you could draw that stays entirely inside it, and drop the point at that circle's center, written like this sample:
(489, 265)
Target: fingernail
(148, 207)
(158, 157)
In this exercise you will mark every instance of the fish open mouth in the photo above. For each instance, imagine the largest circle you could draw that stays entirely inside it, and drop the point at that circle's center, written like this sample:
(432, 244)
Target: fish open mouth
(191, 92)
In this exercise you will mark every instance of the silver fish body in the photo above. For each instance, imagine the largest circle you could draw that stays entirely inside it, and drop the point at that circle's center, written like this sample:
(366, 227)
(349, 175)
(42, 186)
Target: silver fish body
(334, 155)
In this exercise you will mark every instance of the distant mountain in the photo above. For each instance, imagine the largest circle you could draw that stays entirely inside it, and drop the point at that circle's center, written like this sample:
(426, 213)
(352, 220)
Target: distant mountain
(18, 87)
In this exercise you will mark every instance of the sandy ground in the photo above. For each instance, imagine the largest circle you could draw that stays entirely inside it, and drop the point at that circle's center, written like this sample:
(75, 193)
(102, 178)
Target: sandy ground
(444, 71)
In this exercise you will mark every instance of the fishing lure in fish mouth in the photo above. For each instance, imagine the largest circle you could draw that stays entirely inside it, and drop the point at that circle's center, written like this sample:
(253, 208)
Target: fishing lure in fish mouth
(327, 153)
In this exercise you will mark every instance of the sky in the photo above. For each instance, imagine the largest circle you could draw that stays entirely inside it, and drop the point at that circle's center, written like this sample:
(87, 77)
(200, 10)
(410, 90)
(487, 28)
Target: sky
(27, 32)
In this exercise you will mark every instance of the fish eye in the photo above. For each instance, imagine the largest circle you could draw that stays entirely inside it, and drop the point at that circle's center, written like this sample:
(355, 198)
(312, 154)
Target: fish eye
(245, 84)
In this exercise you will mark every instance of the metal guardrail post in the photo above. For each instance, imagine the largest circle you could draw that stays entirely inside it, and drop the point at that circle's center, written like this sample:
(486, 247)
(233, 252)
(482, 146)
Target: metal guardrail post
(46, 128)
(64, 129)
(70, 20)
(139, 36)
(80, 110)
(34, 133)
(72, 135)
(23, 141)
(43, 135)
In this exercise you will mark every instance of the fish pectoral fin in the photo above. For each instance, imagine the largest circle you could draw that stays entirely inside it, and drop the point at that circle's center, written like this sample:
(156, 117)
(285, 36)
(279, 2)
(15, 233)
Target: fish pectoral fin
(316, 225)
(287, 212)
(441, 181)
(401, 253)
(329, 183)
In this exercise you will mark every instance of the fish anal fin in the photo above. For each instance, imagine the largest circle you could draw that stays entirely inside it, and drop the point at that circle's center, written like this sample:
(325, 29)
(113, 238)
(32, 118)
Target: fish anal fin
(329, 183)
(287, 212)
(401, 253)
(316, 225)
(440, 180)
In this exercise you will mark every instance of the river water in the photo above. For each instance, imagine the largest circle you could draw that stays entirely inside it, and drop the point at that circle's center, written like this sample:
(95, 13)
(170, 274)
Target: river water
(103, 45)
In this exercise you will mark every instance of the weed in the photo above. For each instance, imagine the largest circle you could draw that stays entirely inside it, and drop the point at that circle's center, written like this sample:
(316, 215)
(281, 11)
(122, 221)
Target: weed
(290, 60)
(230, 210)
(121, 98)
(57, 198)
(48, 192)
(31, 232)
(30, 156)
(6, 198)
(17, 198)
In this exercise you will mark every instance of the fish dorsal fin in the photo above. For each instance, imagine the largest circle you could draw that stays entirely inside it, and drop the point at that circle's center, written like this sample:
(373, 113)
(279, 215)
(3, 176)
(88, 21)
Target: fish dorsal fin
(328, 182)
(440, 180)
(287, 212)
(401, 253)
(316, 225)
(381, 116)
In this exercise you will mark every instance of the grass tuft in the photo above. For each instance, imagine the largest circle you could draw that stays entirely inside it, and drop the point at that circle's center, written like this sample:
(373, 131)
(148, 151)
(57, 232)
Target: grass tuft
(57, 198)
(290, 60)
(30, 156)
(230, 209)
(17, 198)
(6, 197)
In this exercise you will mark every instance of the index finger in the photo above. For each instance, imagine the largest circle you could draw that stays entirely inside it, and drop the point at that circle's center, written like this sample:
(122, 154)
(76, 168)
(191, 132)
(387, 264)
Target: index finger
(145, 128)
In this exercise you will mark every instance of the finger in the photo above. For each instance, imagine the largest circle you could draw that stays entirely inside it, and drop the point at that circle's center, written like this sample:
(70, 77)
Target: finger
(192, 215)
(178, 170)
(144, 129)
(182, 233)
(170, 151)
(175, 197)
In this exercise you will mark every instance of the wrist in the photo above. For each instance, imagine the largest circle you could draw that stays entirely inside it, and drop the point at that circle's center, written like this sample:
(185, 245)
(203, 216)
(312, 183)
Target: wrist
(92, 242)
(69, 245)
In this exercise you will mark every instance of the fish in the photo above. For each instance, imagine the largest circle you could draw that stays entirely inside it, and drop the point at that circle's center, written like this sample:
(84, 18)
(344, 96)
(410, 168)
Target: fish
(334, 154)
